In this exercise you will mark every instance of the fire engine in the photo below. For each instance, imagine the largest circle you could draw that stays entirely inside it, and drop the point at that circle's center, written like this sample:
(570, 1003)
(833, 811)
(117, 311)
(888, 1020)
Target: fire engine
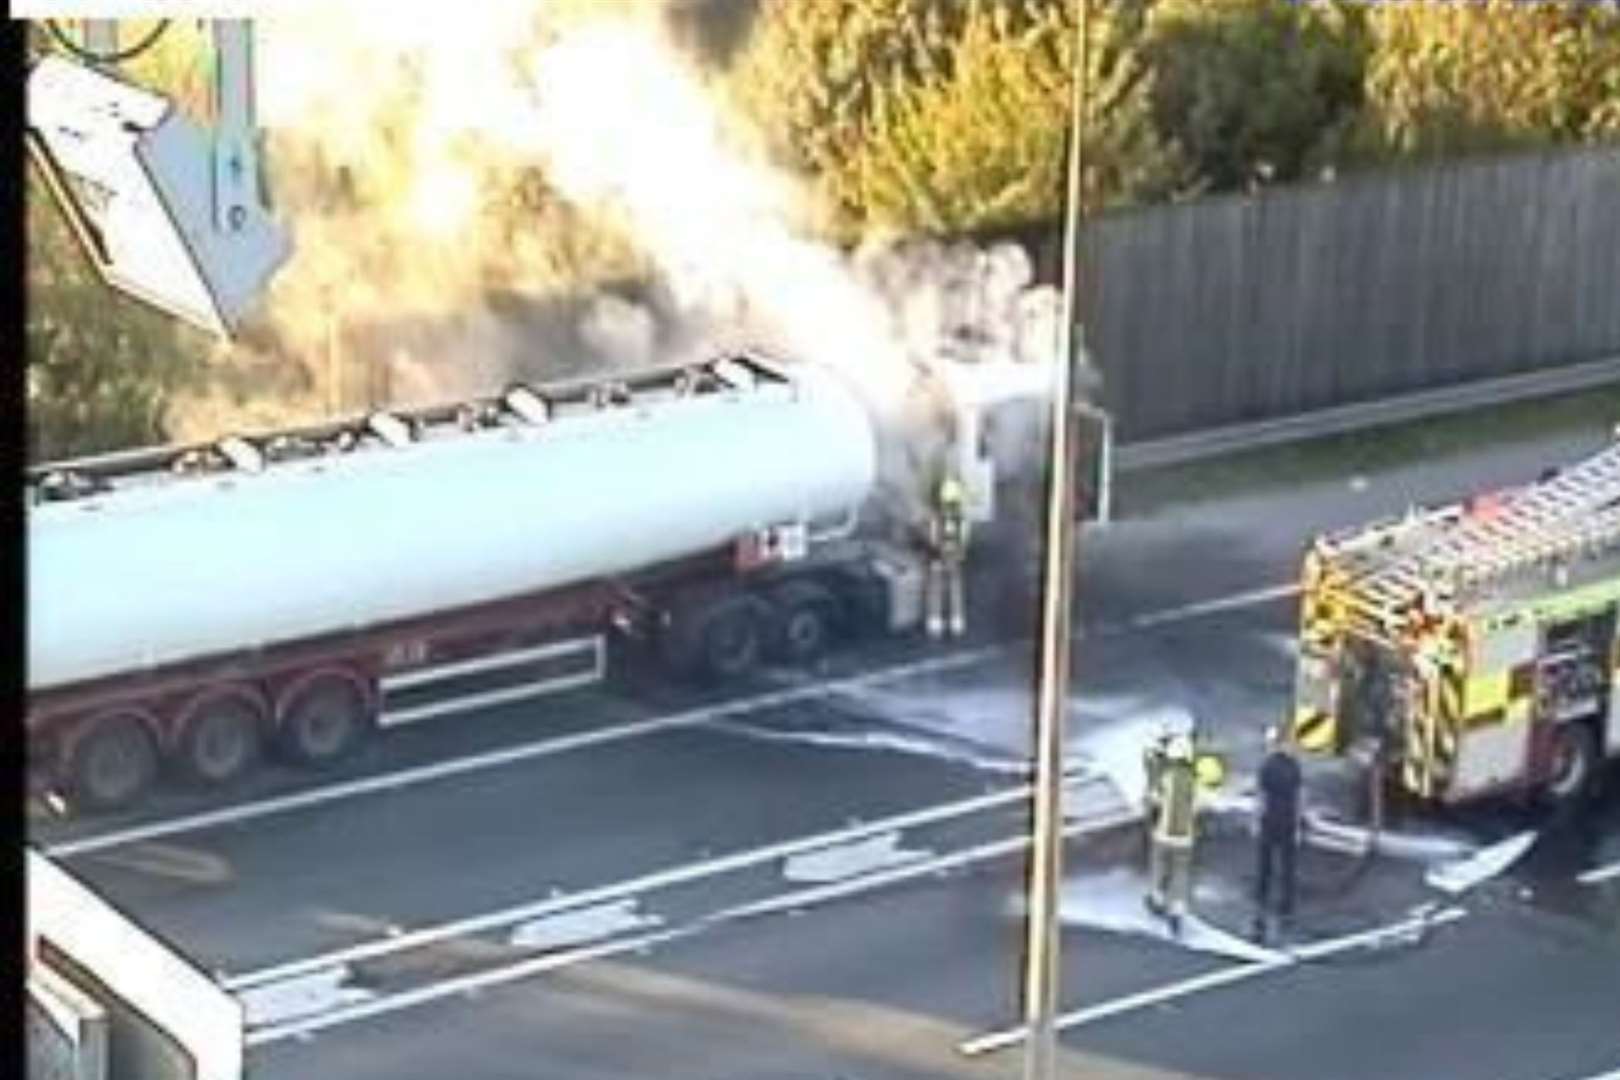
(1471, 649)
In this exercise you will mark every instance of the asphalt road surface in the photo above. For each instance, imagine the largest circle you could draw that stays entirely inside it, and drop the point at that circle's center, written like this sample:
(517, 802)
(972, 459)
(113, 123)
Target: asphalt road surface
(819, 876)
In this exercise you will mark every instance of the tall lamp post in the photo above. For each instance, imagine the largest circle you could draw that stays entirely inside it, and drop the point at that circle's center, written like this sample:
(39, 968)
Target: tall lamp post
(1042, 952)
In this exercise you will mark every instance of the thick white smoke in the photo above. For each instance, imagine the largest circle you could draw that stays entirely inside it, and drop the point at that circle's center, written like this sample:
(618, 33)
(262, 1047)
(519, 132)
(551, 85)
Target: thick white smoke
(625, 123)
(435, 110)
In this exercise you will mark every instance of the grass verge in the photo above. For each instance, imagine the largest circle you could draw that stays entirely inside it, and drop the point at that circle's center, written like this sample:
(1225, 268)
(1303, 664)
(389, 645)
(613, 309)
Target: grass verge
(1370, 451)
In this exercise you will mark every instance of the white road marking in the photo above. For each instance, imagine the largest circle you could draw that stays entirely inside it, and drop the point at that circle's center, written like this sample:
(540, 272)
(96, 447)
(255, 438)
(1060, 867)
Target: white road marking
(690, 718)
(1601, 873)
(583, 926)
(282, 804)
(1252, 598)
(465, 985)
(1318, 950)
(308, 995)
(469, 984)
(994, 849)
(849, 860)
(677, 875)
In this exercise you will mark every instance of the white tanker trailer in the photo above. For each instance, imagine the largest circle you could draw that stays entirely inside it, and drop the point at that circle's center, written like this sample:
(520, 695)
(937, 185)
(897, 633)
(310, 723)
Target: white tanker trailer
(199, 605)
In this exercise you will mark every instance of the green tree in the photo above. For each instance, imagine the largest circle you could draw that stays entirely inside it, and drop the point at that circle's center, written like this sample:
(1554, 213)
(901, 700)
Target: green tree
(982, 140)
(102, 368)
(812, 71)
(1255, 89)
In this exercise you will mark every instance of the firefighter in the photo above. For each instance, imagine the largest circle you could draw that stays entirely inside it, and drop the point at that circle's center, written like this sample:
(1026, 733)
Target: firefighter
(1153, 758)
(947, 542)
(1172, 802)
(1280, 782)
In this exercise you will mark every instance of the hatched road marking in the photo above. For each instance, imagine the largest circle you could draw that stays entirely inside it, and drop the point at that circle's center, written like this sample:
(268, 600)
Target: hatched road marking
(678, 875)
(347, 1013)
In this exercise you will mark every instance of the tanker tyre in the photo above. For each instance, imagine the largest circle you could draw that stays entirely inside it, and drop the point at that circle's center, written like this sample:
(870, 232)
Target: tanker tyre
(113, 765)
(223, 742)
(730, 640)
(325, 721)
(804, 622)
(1575, 764)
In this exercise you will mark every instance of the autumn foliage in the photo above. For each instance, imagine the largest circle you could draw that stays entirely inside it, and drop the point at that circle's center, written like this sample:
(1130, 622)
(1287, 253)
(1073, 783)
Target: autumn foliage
(910, 116)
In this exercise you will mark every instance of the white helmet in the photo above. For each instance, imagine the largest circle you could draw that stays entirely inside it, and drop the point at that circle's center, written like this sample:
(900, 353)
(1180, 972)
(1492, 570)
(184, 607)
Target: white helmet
(1180, 748)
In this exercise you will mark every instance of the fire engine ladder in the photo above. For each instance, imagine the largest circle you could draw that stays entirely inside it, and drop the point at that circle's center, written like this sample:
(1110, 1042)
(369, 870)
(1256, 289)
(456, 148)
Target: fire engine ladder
(1576, 510)
(521, 405)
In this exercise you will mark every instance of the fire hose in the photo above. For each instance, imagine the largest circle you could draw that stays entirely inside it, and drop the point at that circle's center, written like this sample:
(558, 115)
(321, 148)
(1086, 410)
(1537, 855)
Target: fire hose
(1346, 882)
(1374, 805)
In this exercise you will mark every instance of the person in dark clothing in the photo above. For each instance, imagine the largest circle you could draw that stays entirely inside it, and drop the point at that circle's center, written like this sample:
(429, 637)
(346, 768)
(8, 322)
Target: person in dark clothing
(1280, 782)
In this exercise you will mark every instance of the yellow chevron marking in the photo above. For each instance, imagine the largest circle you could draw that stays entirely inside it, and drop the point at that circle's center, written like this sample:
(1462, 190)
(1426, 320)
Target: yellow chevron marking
(1314, 731)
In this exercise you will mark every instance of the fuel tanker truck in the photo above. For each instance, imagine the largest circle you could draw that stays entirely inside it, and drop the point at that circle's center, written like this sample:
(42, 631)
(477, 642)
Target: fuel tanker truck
(192, 608)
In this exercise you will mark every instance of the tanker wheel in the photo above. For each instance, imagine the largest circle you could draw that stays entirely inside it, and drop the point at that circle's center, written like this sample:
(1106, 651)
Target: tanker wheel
(113, 765)
(730, 640)
(804, 622)
(223, 741)
(324, 722)
(1574, 754)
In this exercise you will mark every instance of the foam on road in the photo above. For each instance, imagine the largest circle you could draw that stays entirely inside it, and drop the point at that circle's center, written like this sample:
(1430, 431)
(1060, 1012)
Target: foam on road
(1460, 875)
(1113, 901)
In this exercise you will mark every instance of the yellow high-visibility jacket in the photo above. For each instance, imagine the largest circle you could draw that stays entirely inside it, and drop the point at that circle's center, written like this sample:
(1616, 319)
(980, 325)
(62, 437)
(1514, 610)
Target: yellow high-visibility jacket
(1175, 792)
